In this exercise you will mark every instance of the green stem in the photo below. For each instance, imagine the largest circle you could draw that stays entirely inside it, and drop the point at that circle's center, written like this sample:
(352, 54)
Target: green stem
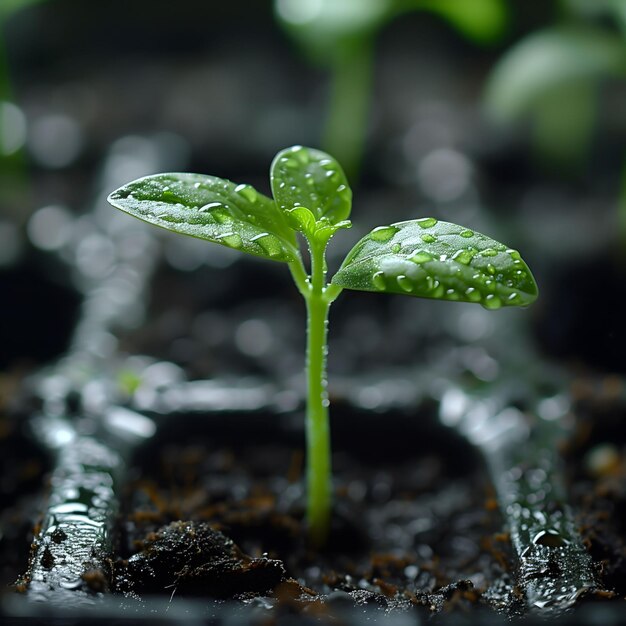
(299, 276)
(319, 488)
(346, 125)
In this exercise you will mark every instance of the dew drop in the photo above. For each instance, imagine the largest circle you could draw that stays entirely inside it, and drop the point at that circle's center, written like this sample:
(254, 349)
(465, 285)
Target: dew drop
(514, 254)
(383, 234)
(467, 233)
(344, 192)
(405, 283)
(463, 256)
(491, 269)
(429, 238)
(302, 155)
(233, 240)
(426, 222)
(473, 295)
(488, 252)
(269, 243)
(492, 302)
(248, 192)
(451, 294)
(379, 281)
(395, 248)
(513, 296)
(221, 216)
(550, 538)
(438, 290)
(209, 207)
(197, 185)
(421, 257)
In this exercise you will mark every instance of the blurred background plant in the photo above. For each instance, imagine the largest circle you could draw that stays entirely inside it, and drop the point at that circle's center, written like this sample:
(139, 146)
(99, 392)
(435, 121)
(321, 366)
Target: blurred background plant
(555, 77)
(340, 35)
(12, 120)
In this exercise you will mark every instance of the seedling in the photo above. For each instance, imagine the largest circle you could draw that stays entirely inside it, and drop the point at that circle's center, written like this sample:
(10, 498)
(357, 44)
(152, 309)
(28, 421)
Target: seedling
(312, 199)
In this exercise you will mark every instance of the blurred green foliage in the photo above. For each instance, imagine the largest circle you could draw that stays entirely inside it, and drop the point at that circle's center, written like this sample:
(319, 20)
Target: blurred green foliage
(552, 78)
(12, 171)
(339, 35)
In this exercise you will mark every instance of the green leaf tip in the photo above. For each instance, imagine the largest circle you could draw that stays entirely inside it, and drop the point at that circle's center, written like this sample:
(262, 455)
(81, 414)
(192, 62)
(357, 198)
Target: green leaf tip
(428, 258)
(210, 208)
(309, 178)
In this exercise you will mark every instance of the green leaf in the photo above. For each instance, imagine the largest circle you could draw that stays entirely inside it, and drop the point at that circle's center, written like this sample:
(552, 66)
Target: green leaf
(483, 21)
(206, 207)
(546, 60)
(323, 26)
(305, 177)
(432, 259)
(302, 220)
(9, 6)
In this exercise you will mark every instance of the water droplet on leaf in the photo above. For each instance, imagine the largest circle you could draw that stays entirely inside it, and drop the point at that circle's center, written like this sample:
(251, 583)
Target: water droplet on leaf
(231, 239)
(492, 302)
(248, 192)
(427, 222)
(463, 256)
(421, 257)
(429, 238)
(269, 243)
(379, 281)
(209, 207)
(405, 283)
(383, 234)
(473, 294)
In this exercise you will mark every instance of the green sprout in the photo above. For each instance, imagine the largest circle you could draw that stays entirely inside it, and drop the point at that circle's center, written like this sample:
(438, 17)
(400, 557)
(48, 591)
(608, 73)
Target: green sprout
(312, 199)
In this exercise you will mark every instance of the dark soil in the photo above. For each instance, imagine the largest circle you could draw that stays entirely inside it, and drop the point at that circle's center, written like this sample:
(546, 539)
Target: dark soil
(22, 472)
(597, 466)
(415, 525)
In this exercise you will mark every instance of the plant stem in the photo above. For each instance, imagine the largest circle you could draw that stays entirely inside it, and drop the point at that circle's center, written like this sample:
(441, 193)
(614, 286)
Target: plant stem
(319, 490)
(346, 125)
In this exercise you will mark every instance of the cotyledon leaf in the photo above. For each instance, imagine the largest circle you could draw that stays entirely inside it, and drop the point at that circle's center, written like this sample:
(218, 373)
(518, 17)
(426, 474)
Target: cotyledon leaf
(210, 208)
(305, 177)
(433, 259)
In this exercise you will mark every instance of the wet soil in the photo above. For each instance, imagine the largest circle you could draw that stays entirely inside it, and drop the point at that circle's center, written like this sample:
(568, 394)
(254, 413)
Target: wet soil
(597, 472)
(22, 477)
(416, 526)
